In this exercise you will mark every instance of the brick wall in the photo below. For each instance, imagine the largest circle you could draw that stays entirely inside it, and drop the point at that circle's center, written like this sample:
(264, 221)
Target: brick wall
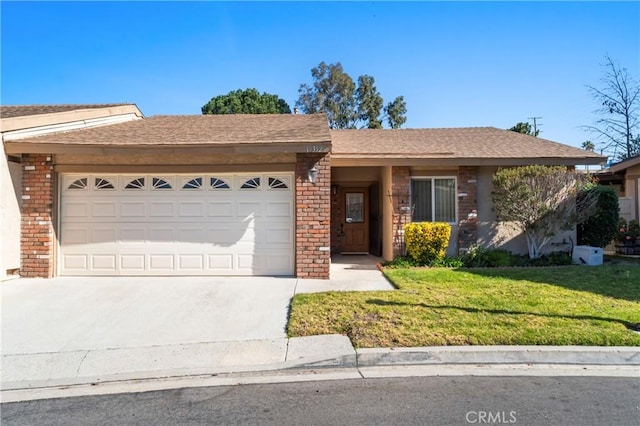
(313, 217)
(467, 208)
(400, 188)
(37, 239)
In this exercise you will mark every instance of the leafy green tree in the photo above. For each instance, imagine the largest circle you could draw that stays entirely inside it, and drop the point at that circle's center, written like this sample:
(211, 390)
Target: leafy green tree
(369, 102)
(619, 99)
(599, 229)
(334, 93)
(588, 146)
(541, 201)
(524, 128)
(248, 101)
(395, 112)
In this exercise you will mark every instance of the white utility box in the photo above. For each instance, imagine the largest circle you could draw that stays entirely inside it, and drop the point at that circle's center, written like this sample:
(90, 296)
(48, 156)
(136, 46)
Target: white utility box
(587, 255)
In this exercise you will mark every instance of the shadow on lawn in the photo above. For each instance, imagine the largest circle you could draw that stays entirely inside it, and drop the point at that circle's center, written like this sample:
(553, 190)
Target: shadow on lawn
(618, 282)
(627, 324)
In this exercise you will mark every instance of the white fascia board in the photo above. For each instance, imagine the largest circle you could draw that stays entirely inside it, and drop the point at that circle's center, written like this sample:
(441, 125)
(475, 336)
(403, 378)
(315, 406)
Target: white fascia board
(65, 127)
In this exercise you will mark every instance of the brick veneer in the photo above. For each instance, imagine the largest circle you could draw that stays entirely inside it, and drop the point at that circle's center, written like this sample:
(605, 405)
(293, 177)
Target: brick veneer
(313, 216)
(467, 208)
(37, 239)
(400, 186)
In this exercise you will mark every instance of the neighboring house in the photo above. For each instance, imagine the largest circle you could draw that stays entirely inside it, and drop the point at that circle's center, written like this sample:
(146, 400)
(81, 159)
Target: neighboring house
(625, 176)
(256, 194)
(17, 122)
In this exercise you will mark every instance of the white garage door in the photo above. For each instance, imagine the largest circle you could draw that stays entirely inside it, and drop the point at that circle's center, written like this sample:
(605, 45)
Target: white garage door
(216, 224)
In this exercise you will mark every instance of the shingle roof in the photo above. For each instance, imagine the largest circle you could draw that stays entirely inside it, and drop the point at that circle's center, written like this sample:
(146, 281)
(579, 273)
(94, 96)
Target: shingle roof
(468, 142)
(625, 164)
(11, 111)
(199, 130)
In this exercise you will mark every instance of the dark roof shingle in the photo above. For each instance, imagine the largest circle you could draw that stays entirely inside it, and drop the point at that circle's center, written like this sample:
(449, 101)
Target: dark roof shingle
(171, 130)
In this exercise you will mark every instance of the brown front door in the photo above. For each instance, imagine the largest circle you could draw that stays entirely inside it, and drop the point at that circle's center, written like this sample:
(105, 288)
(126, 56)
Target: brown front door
(356, 220)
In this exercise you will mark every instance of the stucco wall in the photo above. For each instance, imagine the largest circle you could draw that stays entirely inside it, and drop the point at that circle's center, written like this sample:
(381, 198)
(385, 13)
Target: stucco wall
(632, 182)
(504, 236)
(10, 181)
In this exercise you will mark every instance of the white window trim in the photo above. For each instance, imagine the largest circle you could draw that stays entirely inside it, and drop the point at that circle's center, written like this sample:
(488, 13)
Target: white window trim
(433, 194)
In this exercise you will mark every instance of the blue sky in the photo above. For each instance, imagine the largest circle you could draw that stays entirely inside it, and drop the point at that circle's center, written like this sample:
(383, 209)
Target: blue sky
(456, 63)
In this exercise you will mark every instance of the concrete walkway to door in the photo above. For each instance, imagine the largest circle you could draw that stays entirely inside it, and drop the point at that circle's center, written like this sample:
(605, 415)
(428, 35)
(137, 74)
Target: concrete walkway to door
(69, 328)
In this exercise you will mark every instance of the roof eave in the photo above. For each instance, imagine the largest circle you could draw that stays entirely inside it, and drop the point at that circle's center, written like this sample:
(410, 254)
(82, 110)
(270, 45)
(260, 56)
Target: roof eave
(309, 146)
(400, 160)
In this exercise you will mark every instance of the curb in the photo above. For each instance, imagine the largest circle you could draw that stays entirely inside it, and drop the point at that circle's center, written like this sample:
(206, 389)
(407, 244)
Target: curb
(574, 355)
(332, 357)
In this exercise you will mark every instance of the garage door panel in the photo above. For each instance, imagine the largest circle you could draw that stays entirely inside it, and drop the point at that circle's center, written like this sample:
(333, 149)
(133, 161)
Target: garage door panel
(162, 234)
(161, 262)
(164, 209)
(191, 262)
(104, 235)
(279, 209)
(74, 236)
(75, 262)
(104, 262)
(131, 234)
(185, 225)
(279, 236)
(220, 209)
(132, 263)
(220, 262)
(75, 209)
(133, 209)
(104, 209)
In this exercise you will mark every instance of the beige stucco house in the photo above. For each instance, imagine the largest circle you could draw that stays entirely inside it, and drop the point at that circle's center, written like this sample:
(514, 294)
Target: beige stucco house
(627, 172)
(247, 194)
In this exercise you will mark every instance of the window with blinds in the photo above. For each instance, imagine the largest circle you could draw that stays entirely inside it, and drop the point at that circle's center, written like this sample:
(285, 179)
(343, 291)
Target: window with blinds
(433, 199)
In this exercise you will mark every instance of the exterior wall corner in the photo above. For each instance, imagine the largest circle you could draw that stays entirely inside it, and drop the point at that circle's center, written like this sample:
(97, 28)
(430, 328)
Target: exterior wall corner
(313, 216)
(36, 228)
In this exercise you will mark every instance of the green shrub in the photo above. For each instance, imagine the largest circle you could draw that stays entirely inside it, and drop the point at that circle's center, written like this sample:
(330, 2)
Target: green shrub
(481, 257)
(400, 262)
(601, 227)
(448, 262)
(427, 242)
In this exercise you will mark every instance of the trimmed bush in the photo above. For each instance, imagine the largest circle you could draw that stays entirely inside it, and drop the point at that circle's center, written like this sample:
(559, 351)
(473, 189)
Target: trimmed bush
(427, 242)
(601, 227)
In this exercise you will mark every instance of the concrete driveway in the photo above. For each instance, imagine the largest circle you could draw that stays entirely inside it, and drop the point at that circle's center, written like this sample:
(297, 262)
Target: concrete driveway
(70, 330)
(79, 313)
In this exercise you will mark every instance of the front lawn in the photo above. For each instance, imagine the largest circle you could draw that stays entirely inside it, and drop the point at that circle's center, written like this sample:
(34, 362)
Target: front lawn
(571, 305)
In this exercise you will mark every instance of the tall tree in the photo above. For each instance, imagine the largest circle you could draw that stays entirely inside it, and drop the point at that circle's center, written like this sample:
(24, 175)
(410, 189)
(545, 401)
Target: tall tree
(550, 195)
(369, 102)
(395, 112)
(347, 107)
(524, 128)
(619, 99)
(248, 101)
(588, 146)
(333, 92)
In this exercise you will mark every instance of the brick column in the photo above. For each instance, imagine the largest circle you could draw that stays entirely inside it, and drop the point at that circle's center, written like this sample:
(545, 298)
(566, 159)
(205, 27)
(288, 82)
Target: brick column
(467, 208)
(36, 236)
(313, 217)
(400, 190)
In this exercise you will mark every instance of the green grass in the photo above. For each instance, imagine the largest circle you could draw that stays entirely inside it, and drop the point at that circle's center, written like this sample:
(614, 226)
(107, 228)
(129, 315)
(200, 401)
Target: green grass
(571, 305)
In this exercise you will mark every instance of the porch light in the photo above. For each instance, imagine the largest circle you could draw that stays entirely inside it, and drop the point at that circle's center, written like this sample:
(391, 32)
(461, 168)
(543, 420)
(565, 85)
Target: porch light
(313, 174)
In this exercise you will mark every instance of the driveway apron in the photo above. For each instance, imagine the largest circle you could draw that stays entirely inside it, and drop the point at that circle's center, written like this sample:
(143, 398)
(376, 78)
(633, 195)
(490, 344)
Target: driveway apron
(82, 313)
